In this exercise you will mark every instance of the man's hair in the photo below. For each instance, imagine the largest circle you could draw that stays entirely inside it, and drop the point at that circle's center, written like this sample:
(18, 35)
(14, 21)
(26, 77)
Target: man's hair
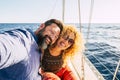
(55, 21)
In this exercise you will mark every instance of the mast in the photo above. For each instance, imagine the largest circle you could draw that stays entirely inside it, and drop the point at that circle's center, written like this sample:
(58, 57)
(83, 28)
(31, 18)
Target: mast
(63, 8)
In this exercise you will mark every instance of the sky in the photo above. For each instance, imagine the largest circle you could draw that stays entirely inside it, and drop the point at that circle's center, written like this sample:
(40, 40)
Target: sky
(37, 11)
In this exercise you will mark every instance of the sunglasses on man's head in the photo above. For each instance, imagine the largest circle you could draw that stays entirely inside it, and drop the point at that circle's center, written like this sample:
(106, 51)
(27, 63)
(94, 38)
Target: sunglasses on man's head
(70, 41)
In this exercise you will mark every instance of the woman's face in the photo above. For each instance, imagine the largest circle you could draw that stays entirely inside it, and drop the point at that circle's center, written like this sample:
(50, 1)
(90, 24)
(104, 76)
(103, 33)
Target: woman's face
(66, 40)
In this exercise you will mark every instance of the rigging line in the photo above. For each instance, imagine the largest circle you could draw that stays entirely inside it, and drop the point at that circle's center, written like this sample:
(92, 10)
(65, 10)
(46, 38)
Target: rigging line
(79, 16)
(82, 66)
(90, 18)
(116, 70)
(104, 66)
(53, 8)
(82, 60)
(63, 12)
(116, 55)
(75, 69)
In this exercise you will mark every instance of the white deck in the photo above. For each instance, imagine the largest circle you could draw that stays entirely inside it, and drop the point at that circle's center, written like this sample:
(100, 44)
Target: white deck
(90, 72)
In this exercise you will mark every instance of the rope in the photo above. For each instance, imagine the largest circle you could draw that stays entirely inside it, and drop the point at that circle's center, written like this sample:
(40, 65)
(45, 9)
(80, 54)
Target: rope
(116, 70)
(63, 14)
(79, 16)
(90, 18)
(75, 69)
(82, 58)
(82, 67)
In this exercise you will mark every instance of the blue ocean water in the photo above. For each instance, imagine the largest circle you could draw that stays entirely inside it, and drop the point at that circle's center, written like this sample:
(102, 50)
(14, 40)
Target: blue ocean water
(102, 46)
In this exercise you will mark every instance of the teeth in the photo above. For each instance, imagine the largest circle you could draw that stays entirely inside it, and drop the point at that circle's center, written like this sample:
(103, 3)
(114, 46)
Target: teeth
(47, 40)
(62, 44)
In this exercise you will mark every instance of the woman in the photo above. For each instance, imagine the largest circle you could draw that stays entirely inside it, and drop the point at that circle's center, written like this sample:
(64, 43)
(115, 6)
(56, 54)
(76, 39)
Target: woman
(54, 58)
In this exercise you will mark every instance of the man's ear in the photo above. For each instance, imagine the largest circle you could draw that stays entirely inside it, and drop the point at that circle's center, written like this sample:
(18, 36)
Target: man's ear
(42, 26)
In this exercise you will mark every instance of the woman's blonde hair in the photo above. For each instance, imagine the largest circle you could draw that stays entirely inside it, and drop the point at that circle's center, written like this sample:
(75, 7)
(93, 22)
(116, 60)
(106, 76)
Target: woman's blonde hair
(78, 45)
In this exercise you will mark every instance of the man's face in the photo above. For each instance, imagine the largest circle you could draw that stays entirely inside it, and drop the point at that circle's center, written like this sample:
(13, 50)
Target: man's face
(50, 35)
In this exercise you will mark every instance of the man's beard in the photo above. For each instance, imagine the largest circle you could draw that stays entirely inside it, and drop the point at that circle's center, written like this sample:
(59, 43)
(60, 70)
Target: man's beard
(44, 45)
(42, 41)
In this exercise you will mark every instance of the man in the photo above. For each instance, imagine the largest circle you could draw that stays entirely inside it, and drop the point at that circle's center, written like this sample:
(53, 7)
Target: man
(20, 50)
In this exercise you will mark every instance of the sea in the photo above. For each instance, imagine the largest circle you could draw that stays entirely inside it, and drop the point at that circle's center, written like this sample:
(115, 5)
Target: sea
(102, 44)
